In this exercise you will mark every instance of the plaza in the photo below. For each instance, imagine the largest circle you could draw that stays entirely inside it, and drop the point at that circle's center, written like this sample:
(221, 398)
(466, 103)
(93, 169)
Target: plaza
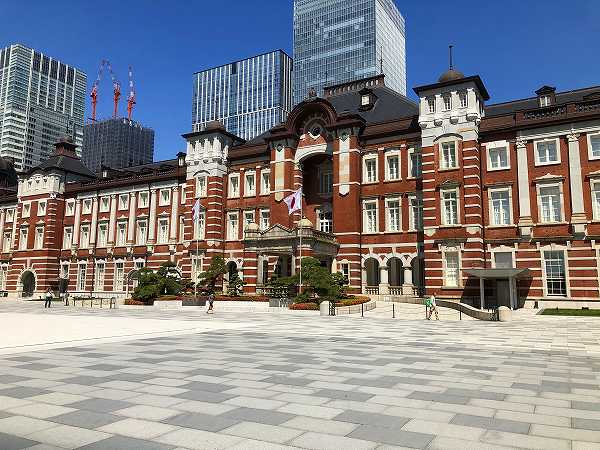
(148, 379)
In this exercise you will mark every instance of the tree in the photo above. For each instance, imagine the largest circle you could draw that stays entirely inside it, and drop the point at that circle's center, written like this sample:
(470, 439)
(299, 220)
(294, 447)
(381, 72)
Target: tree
(235, 286)
(213, 274)
(151, 285)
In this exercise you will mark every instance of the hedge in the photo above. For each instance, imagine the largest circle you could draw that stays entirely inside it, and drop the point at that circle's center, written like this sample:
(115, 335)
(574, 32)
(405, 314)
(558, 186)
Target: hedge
(304, 307)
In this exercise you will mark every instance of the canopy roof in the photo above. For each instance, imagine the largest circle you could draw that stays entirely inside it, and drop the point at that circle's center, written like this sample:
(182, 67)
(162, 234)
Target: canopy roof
(494, 274)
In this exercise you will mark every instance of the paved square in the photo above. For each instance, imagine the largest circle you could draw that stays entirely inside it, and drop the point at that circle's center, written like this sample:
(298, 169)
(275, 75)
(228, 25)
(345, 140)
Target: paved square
(147, 379)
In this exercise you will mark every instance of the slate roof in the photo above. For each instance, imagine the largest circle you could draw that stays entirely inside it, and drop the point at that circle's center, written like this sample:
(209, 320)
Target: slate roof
(64, 163)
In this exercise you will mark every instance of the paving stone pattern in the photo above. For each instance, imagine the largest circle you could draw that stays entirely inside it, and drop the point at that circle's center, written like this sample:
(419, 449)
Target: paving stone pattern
(290, 381)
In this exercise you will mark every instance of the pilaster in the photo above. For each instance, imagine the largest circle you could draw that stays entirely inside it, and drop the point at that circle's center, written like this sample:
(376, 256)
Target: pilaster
(525, 222)
(578, 217)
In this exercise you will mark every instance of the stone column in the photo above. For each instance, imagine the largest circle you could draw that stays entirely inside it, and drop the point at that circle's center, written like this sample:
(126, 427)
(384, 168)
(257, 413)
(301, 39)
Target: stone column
(525, 221)
(384, 284)
(174, 215)
(2, 219)
(407, 286)
(94, 222)
(363, 280)
(113, 220)
(481, 293)
(77, 224)
(578, 217)
(132, 216)
(152, 221)
(14, 231)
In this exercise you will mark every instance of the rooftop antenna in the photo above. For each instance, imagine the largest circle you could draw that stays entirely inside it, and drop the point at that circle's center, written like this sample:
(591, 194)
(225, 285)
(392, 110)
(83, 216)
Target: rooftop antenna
(450, 51)
(381, 60)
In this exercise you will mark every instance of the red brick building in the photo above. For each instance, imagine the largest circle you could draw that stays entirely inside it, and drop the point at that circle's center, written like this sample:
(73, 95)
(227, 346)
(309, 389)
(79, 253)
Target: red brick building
(448, 196)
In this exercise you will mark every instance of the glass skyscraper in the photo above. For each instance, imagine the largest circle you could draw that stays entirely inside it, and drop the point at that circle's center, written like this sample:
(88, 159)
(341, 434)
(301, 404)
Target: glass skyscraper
(41, 101)
(249, 96)
(336, 41)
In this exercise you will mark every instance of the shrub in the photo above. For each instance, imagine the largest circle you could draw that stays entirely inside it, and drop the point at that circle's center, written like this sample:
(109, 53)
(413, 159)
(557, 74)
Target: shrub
(352, 302)
(152, 284)
(132, 302)
(304, 307)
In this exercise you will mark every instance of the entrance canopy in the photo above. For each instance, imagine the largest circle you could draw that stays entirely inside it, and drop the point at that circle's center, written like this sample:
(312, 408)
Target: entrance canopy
(496, 274)
(508, 277)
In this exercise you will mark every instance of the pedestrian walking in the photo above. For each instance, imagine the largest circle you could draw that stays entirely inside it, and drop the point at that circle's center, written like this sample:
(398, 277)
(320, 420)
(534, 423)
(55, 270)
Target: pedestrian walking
(211, 302)
(432, 308)
(48, 296)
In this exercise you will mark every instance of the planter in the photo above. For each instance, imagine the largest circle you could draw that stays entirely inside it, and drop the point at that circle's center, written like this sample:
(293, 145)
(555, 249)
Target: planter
(169, 304)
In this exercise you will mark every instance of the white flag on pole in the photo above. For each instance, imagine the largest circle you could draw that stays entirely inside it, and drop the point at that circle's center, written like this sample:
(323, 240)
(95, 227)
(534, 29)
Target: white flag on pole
(294, 201)
(196, 211)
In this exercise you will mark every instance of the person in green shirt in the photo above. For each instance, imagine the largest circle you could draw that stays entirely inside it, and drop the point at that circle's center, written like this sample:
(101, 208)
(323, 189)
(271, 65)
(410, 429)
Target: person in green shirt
(431, 308)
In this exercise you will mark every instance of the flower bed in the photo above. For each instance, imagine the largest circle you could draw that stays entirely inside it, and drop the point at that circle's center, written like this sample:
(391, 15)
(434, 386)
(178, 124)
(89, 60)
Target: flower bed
(248, 298)
(304, 307)
(353, 301)
(131, 302)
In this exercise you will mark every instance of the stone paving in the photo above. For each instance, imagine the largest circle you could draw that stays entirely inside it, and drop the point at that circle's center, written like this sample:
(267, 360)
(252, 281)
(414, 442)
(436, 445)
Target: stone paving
(273, 381)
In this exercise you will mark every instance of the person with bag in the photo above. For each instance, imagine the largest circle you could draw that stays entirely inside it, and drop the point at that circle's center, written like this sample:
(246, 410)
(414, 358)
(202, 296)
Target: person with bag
(48, 296)
(432, 308)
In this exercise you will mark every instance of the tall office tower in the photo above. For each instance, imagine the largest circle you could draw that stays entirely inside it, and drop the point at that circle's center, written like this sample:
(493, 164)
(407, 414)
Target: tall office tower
(336, 41)
(117, 143)
(41, 101)
(249, 96)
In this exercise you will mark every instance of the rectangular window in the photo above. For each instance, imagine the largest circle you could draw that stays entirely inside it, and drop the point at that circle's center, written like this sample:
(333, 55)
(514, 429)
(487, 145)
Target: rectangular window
(265, 219)
(3, 277)
(498, 158)
(121, 233)
(416, 213)
(416, 164)
(556, 274)
(594, 145)
(119, 276)
(249, 184)
(549, 204)
(165, 197)
(41, 209)
(447, 102)
(64, 271)
(325, 181)
(81, 274)
(451, 269)
(10, 215)
(345, 270)
(200, 230)
(503, 260)
(84, 239)
(99, 276)
(67, 237)
(102, 234)
(201, 187)
(500, 213)
(123, 202)
(596, 199)
(7, 242)
(464, 99)
(248, 218)
(26, 211)
(163, 231)
(545, 101)
(86, 206)
(431, 104)
(70, 209)
(265, 185)
(393, 215)
(450, 207)
(370, 174)
(104, 204)
(23, 239)
(370, 217)
(232, 226)
(546, 152)
(142, 232)
(234, 186)
(143, 199)
(393, 167)
(325, 221)
(448, 156)
(39, 238)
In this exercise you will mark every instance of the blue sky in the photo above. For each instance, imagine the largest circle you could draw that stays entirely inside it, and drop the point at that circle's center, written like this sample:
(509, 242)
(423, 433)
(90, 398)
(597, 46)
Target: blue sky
(516, 46)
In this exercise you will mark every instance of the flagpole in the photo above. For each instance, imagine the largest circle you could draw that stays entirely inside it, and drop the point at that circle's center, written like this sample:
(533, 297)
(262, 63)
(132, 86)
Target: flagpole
(300, 253)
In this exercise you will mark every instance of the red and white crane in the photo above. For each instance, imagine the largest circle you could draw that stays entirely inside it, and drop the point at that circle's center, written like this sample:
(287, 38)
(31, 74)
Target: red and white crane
(116, 89)
(94, 93)
(131, 99)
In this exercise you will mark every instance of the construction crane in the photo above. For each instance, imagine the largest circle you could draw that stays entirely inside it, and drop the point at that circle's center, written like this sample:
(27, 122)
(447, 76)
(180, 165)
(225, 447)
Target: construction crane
(131, 99)
(94, 93)
(116, 89)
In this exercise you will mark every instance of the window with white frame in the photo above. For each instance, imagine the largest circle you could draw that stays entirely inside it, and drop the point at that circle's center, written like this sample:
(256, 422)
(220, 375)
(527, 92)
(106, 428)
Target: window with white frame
(596, 199)
(498, 158)
(325, 220)
(102, 234)
(248, 218)
(392, 215)
(233, 189)
(201, 185)
(84, 236)
(99, 276)
(67, 237)
(265, 182)
(104, 204)
(119, 276)
(121, 233)
(547, 152)
(345, 271)
(447, 102)
(449, 199)
(545, 100)
(41, 209)
(370, 219)
(70, 208)
(123, 202)
(38, 242)
(594, 145)
(265, 219)
(451, 269)
(200, 228)
(163, 230)
(232, 226)
(365, 100)
(500, 206)
(555, 272)
(325, 180)
(370, 169)
(503, 260)
(416, 213)
(165, 197)
(249, 184)
(64, 270)
(463, 98)
(415, 166)
(431, 104)
(23, 235)
(86, 206)
(196, 267)
(392, 165)
(143, 200)
(142, 232)
(550, 204)
(81, 274)
(26, 210)
(7, 242)
(181, 228)
(10, 215)
(448, 155)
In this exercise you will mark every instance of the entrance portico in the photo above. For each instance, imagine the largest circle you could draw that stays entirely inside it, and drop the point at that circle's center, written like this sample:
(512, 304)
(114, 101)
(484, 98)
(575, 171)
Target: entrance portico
(503, 282)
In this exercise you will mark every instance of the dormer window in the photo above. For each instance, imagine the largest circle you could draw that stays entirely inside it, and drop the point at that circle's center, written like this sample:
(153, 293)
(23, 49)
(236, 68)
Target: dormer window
(447, 102)
(546, 96)
(365, 100)
(431, 104)
(545, 100)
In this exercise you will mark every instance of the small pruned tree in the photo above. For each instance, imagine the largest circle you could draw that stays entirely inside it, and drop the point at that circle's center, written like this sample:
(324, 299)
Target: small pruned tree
(213, 275)
(235, 287)
(151, 285)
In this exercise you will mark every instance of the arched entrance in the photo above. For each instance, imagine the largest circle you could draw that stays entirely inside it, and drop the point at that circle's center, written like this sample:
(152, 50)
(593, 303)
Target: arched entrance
(28, 284)
(395, 272)
(418, 275)
(372, 269)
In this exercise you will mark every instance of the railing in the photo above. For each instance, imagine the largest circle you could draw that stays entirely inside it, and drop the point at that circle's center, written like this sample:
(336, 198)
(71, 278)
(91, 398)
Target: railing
(545, 113)
(395, 290)
(589, 106)
(111, 303)
(372, 290)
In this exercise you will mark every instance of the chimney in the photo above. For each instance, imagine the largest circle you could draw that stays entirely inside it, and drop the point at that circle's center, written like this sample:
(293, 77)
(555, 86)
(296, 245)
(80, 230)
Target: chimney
(65, 147)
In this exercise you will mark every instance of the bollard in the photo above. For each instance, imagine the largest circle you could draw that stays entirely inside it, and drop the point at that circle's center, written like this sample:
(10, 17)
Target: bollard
(362, 310)
(393, 311)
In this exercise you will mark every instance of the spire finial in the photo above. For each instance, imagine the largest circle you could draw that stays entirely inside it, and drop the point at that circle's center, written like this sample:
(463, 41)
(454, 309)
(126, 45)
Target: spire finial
(450, 50)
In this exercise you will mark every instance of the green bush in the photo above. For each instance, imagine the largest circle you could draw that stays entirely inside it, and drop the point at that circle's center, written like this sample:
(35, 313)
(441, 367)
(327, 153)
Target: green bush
(151, 285)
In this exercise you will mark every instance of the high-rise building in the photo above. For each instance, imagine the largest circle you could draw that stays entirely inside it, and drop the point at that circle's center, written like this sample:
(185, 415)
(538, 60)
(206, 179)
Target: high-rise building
(249, 96)
(336, 41)
(41, 101)
(117, 143)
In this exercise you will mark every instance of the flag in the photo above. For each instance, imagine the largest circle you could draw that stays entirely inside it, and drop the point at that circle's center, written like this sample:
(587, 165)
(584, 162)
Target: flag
(196, 211)
(294, 201)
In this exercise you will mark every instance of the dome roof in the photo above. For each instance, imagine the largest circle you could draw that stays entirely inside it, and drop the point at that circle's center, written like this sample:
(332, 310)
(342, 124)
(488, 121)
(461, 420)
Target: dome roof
(305, 223)
(451, 75)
